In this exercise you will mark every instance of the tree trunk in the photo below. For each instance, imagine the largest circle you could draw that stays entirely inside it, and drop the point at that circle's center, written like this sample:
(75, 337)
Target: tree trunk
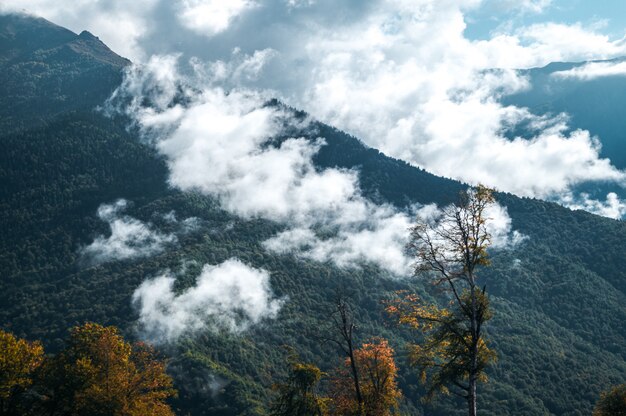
(355, 376)
(471, 399)
(473, 375)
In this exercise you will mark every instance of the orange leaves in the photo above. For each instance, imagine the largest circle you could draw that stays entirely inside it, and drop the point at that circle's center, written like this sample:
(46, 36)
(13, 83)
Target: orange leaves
(409, 310)
(111, 374)
(377, 373)
(99, 373)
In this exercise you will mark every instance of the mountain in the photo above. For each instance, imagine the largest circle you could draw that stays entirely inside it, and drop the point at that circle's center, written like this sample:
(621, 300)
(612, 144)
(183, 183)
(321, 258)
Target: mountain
(74, 71)
(560, 323)
(593, 95)
(594, 103)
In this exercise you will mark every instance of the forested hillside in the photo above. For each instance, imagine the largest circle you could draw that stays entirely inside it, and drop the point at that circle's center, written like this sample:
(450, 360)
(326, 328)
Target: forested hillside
(559, 326)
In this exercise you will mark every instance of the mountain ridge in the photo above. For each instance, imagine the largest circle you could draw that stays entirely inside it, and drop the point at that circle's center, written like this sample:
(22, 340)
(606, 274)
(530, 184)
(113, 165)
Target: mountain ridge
(33, 54)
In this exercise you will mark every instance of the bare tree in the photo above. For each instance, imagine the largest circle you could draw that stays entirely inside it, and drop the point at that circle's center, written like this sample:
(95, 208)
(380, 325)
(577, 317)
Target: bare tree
(341, 333)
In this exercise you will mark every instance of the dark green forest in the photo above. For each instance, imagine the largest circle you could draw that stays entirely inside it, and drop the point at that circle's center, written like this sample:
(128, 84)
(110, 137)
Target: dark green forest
(559, 326)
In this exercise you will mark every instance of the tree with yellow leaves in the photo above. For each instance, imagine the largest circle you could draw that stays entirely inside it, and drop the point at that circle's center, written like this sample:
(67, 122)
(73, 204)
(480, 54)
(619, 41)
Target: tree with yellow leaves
(18, 361)
(379, 388)
(99, 373)
(298, 396)
(449, 250)
(612, 402)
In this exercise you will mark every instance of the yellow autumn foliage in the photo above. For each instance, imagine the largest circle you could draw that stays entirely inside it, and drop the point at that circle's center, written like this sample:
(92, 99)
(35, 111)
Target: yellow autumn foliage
(18, 360)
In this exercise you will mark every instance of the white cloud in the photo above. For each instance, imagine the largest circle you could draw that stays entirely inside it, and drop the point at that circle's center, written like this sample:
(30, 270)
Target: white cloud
(540, 44)
(156, 78)
(220, 145)
(383, 240)
(428, 96)
(230, 296)
(240, 68)
(299, 3)
(593, 70)
(130, 238)
(504, 7)
(210, 17)
(375, 240)
(439, 224)
(185, 226)
(400, 75)
(612, 207)
(535, 6)
(499, 226)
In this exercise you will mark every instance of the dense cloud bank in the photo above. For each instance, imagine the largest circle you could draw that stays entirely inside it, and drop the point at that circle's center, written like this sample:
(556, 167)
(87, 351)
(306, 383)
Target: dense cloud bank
(221, 143)
(429, 94)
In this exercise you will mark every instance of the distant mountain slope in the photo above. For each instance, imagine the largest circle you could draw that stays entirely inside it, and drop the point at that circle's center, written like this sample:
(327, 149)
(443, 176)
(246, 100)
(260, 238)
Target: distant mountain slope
(75, 71)
(595, 104)
(559, 326)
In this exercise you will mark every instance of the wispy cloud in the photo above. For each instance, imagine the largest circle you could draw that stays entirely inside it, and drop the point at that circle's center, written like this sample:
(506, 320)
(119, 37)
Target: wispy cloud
(500, 226)
(129, 238)
(612, 206)
(185, 226)
(210, 17)
(534, 6)
(593, 70)
(378, 239)
(508, 7)
(230, 296)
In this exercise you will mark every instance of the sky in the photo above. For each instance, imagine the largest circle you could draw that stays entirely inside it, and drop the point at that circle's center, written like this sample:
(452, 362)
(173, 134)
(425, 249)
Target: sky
(421, 80)
(608, 16)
